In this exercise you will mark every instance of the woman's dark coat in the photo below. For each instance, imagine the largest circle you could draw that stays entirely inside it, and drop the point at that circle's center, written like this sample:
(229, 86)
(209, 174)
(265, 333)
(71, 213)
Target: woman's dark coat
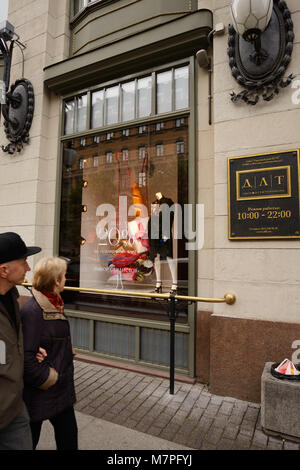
(48, 385)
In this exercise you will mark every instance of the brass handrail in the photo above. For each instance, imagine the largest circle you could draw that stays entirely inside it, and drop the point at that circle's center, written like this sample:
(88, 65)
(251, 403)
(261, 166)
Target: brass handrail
(228, 298)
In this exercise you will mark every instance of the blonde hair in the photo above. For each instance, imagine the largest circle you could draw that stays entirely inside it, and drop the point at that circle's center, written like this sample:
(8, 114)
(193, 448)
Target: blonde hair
(47, 270)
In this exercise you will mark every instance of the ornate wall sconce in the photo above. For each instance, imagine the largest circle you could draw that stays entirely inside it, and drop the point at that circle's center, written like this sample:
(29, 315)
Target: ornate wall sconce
(260, 46)
(17, 104)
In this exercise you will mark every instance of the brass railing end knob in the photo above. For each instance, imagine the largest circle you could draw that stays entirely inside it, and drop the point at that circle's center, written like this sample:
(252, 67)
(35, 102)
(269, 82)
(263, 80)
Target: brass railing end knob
(230, 298)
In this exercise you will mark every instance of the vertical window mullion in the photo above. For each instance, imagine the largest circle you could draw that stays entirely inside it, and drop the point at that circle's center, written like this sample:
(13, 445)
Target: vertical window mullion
(119, 103)
(88, 110)
(173, 90)
(104, 107)
(135, 98)
(154, 95)
(75, 114)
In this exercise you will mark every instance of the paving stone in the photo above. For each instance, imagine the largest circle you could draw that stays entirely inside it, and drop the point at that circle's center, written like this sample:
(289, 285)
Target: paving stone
(226, 408)
(242, 442)
(231, 431)
(289, 445)
(225, 444)
(192, 416)
(214, 435)
(260, 439)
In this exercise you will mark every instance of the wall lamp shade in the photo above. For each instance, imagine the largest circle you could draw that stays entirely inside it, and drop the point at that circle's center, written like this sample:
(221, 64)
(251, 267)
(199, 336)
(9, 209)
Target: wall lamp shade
(260, 45)
(251, 17)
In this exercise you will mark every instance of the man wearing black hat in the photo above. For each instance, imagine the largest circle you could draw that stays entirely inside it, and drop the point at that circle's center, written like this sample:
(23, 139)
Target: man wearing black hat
(15, 431)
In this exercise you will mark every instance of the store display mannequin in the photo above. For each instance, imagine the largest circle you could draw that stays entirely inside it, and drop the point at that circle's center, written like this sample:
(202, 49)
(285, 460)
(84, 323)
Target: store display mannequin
(137, 228)
(161, 248)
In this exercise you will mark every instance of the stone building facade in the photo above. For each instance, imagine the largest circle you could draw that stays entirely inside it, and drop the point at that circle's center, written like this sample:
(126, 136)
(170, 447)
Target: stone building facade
(107, 43)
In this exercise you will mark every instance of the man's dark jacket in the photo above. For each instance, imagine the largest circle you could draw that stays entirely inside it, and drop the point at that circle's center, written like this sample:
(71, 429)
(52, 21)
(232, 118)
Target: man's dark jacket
(11, 363)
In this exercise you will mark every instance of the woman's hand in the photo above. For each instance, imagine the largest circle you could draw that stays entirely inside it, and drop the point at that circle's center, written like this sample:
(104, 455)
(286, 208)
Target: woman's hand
(40, 356)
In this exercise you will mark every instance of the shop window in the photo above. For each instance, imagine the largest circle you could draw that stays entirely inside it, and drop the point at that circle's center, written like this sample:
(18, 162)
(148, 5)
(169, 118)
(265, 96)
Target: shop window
(110, 245)
(127, 101)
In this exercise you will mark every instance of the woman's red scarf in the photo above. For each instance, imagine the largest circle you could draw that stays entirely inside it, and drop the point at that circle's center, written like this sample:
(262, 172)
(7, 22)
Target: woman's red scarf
(55, 299)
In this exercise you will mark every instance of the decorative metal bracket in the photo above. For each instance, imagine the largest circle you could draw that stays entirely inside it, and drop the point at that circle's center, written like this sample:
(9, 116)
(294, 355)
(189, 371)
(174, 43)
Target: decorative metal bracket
(18, 102)
(18, 115)
(265, 78)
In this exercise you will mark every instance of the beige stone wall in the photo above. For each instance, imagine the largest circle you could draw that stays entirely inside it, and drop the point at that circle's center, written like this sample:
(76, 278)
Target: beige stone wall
(28, 179)
(264, 275)
(205, 148)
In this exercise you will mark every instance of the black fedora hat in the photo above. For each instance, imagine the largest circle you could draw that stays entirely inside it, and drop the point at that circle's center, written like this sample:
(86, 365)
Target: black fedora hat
(13, 247)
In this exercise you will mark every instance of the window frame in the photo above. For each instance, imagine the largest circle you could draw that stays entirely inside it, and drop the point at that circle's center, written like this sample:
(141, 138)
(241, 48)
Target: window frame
(119, 82)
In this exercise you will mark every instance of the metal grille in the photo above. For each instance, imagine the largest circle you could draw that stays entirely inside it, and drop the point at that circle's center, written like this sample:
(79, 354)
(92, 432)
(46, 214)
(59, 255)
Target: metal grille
(155, 347)
(114, 339)
(80, 332)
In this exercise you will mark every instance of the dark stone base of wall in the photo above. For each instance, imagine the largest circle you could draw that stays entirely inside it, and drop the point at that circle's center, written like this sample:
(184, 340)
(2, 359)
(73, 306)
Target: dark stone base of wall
(232, 352)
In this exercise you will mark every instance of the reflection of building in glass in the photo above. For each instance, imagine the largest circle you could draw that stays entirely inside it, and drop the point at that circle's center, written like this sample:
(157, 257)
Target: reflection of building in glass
(110, 175)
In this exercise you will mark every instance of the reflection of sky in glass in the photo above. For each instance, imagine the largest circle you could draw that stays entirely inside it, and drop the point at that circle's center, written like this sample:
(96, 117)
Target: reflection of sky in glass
(81, 113)
(164, 92)
(69, 117)
(144, 96)
(97, 108)
(181, 78)
(111, 104)
(4, 10)
(128, 95)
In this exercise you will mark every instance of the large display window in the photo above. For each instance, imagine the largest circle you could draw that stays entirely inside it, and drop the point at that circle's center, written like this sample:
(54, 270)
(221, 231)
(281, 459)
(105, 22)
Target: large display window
(124, 187)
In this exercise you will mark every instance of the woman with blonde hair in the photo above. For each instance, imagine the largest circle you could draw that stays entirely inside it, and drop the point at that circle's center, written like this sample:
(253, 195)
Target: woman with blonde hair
(49, 391)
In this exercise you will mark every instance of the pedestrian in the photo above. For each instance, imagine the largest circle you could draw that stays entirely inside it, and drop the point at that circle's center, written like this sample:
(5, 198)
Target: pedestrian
(14, 420)
(49, 391)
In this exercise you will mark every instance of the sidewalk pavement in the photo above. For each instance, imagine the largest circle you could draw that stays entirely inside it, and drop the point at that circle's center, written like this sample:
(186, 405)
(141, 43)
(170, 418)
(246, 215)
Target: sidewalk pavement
(119, 409)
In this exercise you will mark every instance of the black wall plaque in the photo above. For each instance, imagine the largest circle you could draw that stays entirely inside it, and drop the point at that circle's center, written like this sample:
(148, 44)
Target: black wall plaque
(263, 196)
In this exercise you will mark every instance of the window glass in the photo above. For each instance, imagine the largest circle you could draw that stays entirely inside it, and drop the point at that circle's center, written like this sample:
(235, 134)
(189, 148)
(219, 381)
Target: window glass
(164, 92)
(181, 84)
(112, 242)
(97, 109)
(112, 105)
(69, 117)
(78, 5)
(81, 113)
(144, 89)
(128, 99)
